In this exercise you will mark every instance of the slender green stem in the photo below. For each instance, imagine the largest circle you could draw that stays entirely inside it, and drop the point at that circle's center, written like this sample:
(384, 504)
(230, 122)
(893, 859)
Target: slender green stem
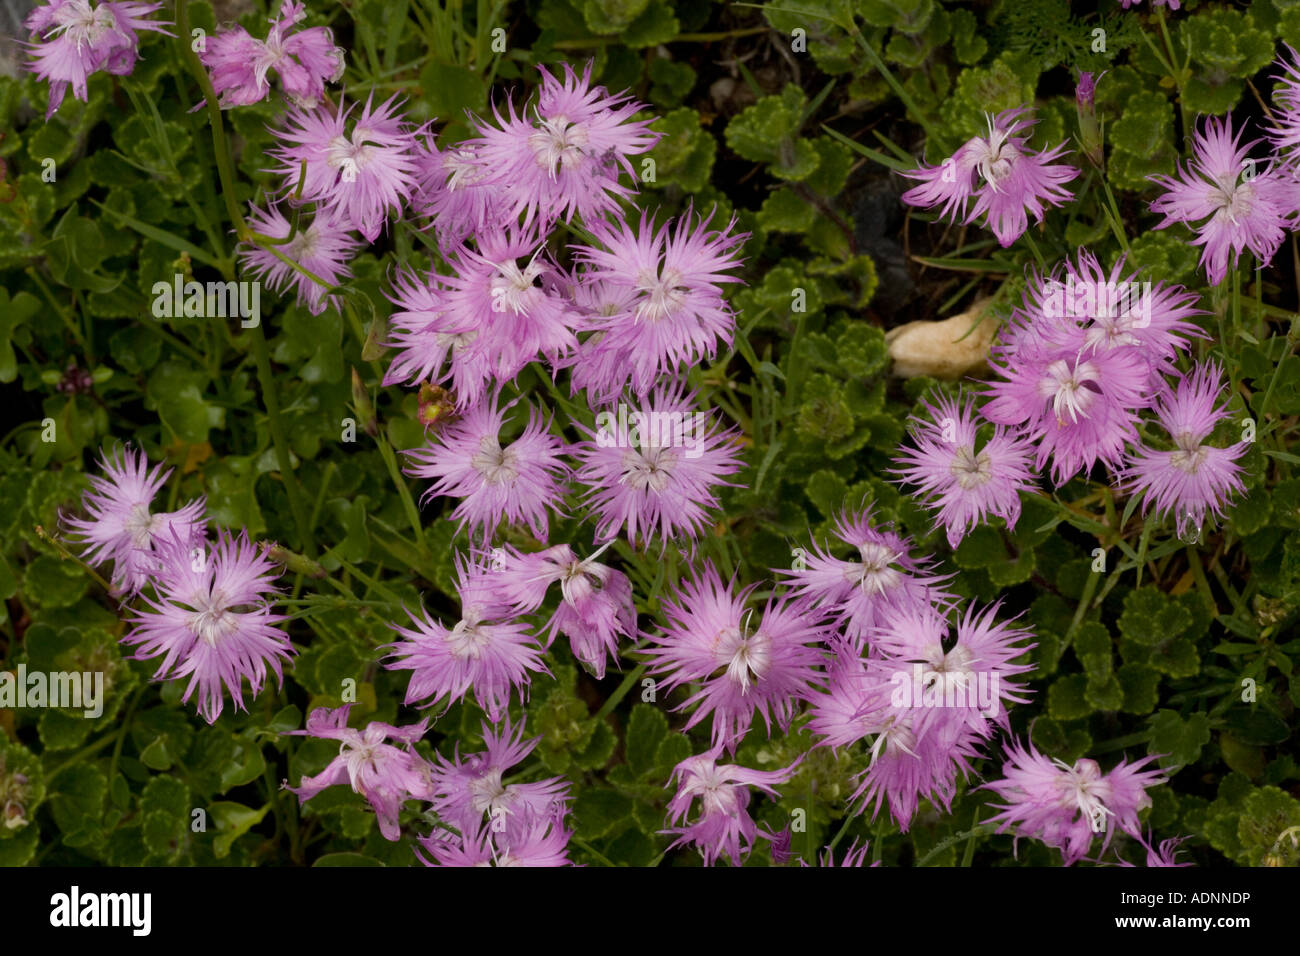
(892, 80)
(272, 402)
(225, 166)
(982, 830)
(630, 681)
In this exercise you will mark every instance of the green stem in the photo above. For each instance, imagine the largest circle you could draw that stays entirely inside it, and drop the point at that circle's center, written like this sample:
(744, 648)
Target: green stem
(628, 683)
(272, 402)
(982, 830)
(225, 167)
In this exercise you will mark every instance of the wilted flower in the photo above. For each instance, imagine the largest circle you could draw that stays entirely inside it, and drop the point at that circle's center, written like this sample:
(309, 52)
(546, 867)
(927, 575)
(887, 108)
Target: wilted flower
(75, 39)
(305, 60)
(384, 774)
(595, 610)
(1006, 179)
(121, 527)
(210, 618)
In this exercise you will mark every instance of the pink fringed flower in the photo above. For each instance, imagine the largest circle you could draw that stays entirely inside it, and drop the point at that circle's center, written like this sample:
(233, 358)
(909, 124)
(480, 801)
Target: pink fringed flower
(487, 652)
(595, 609)
(1072, 391)
(320, 246)
(358, 168)
(518, 483)
(1006, 179)
(962, 484)
(74, 39)
(121, 527)
(210, 619)
(666, 285)
(1066, 806)
(1226, 201)
(305, 60)
(457, 193)
(537, 840)
(722, 823)
(1194, 478)
(857, 591)
(384, 774)
(1164, 855)
(568, 157)
(741, 668)
(469, 793)
(653, 468)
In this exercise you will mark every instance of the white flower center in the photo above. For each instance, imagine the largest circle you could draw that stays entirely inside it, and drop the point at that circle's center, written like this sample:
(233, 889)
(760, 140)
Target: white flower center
(139, 524)
(650, 469)
(558, 145)
(874, 575)
(84, 24)
(497, 465)
(662, 295)
(744, 655)
(513, 288)
(1072, 390)
(212, 620)
(971, 470)
(467, 640)
(350, 155)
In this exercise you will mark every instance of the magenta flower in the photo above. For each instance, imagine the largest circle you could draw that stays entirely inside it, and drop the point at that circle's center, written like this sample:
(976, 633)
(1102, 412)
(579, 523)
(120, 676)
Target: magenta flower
(322, 247)
(211, 619)
(857, 591)
(723, 822)
(385, 775)
(1229, 204)
(567, 159)
(653, 468)
(305, 61)
(487, 652)
(74, 39)
(1195, 477)
(667, 286)
(740, 668)
(927, 702)
(1006, 179)
(1284, 131)
(1075, 385)
(965, 486)
(469, 793)
(356, 176)
(457, 193)
(1165, 855)
(854, 856)
(538, 840)
(121, 527)
(517, 484)
(596, 608)
(428, 345)
(1064, 806)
